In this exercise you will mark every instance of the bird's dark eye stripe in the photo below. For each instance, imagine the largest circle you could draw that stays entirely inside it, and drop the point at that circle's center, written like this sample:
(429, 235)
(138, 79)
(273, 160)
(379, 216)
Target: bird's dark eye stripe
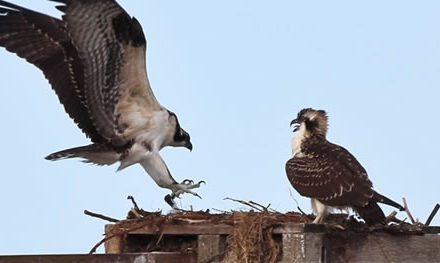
(310, 125)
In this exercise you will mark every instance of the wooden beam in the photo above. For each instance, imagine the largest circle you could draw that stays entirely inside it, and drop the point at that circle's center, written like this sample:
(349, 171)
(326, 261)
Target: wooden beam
(375, 247)
(217, 229)
(113, 245)
(211, 248)
(107, 258)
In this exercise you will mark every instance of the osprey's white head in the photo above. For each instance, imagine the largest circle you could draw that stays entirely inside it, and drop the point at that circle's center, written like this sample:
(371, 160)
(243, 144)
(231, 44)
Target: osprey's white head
(309, 122)
(313, 122)
(180, 138)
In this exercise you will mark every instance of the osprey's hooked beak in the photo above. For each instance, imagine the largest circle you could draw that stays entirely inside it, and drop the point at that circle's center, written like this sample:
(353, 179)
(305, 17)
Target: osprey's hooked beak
(295, 124)
(189, 146)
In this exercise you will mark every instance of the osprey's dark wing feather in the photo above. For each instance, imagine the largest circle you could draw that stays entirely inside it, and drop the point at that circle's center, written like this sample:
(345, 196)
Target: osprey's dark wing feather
(111, 46)
(329, 173)
(43, 41)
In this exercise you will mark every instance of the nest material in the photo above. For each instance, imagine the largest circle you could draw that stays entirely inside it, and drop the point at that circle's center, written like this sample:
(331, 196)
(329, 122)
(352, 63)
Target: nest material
(251, 239)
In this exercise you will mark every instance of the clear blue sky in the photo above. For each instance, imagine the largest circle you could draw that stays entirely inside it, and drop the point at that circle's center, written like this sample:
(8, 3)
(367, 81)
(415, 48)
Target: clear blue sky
(236, 73)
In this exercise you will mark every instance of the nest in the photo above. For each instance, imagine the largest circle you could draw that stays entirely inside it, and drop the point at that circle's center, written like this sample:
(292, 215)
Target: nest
(250, 239)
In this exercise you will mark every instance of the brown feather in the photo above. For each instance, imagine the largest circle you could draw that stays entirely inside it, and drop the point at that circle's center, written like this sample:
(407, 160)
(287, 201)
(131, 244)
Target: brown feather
(371, 213)
(44, 42)
(104, 35)
(330, 174)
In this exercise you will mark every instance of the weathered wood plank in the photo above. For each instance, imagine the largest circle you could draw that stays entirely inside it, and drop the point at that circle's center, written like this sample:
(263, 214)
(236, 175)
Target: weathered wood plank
(303, 247)
(294, 245)
(383, 248)
(300, 228)
(108, 258)
(218, 229)
(211, 248)
(431, 229)
(307, 243)
(113, 245)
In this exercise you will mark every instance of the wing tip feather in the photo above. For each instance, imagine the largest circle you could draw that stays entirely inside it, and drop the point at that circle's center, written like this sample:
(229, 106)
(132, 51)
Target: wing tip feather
(60, 1)
(56, 156)
(62, 8)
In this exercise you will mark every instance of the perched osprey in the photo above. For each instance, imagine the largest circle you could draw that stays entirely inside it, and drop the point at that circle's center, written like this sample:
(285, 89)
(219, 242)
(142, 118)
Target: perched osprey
(94, 58)
(328, 173)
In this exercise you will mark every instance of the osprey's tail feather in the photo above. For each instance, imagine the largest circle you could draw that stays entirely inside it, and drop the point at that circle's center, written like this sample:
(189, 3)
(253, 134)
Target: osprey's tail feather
(99, 154)
(385, 200)
(371, 213)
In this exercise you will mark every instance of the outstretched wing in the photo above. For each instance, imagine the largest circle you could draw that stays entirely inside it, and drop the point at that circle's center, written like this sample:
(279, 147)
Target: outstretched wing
(112, 47)
(330, 174)
(43, 41)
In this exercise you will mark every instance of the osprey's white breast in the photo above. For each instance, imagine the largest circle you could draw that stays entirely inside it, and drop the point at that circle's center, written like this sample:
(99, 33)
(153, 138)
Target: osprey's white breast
(297, 140)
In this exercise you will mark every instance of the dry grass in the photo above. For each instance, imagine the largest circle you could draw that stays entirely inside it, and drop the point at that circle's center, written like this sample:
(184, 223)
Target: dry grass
(252, 239)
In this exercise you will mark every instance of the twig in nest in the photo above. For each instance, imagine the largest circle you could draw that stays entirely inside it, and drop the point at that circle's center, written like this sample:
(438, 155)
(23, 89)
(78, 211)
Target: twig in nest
(255, 205)
(392, 218)
(244, 203)
(220, 211)
(159, 239)
(297, 204)
(405, 205)
(274, 211)
(95, 247)
(433, 213)
(131, 198)
(106, 218)
(269, 209)
(265, 208)
(136, 213)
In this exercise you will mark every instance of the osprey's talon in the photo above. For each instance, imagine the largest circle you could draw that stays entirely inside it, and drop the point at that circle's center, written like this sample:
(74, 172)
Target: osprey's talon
(193, 193)
(185, 187)
(169, 199)
(196, 194)
(197, 185)
(187, 182)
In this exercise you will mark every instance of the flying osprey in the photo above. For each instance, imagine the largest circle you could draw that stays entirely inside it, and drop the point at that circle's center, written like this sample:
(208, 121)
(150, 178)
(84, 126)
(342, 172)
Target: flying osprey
(94, 58)
(328, 173)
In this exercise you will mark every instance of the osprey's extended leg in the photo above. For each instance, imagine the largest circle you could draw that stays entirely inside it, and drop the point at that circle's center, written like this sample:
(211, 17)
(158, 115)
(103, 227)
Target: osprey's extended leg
(320, 210)
(158, 170)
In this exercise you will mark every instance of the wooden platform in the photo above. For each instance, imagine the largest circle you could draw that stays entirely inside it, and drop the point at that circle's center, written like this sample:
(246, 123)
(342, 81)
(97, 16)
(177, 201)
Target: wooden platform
(196, 237)
(109, 258)
(298, 242)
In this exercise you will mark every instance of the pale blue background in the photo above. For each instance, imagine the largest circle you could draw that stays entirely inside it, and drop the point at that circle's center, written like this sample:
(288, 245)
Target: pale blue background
(236, 73)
